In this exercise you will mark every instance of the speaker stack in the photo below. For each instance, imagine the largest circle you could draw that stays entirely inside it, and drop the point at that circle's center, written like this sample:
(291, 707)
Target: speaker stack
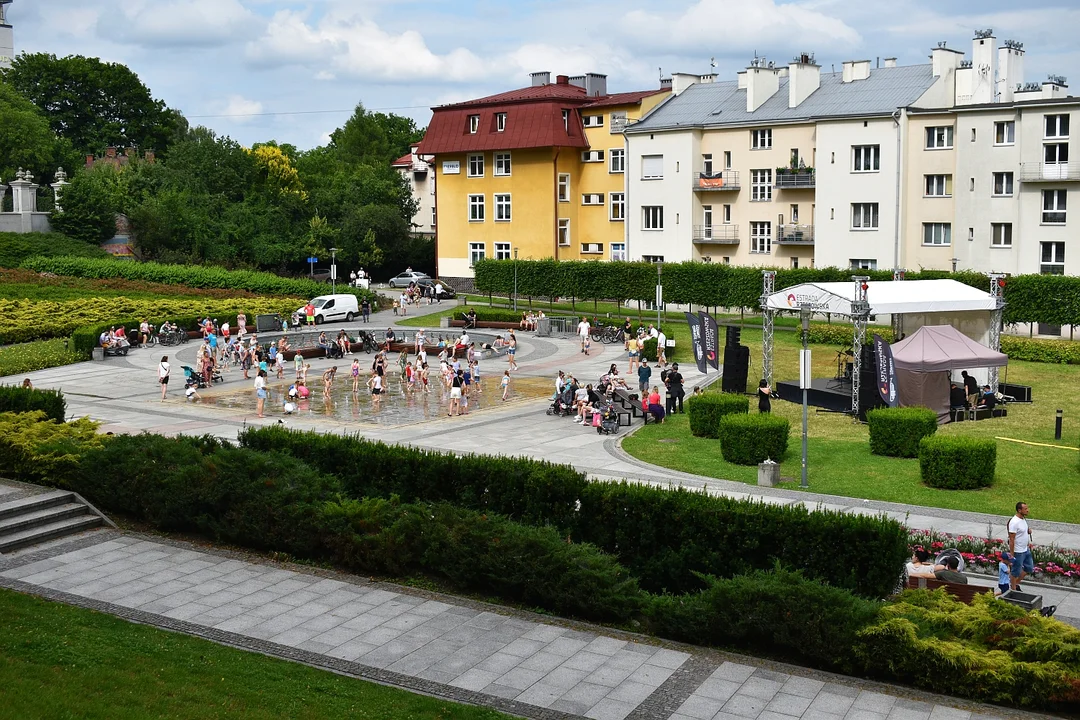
(736, 362)
(868, 392)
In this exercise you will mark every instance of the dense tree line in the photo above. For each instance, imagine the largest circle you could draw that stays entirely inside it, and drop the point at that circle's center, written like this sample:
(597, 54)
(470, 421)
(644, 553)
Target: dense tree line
(205, 198)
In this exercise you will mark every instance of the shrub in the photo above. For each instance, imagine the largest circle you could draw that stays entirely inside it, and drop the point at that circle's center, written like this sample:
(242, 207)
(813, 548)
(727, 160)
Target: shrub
(39, 355)
(16, 399)
(990, 650)
(648, 351)
(777, 612)
(957, 463)
(35, 448)
(896, 432)
(705, 411)
(752, 439)
(17, 247)
(1063, 352)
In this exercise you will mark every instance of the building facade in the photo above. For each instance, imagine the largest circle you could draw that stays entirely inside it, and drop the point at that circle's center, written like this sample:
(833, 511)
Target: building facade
(417, 171)
(537, 172)
(7, 37)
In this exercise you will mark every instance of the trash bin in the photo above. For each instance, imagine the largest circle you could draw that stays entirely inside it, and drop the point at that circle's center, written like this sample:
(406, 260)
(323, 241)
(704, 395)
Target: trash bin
(98, 353)
(543, 327)
(768, 474)
(1028, 601)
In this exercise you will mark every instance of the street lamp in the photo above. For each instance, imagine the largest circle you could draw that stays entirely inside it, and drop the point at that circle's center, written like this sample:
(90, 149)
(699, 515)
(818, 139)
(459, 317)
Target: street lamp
(515, 279)
(659, 295)
(333, 271)
(805, 311)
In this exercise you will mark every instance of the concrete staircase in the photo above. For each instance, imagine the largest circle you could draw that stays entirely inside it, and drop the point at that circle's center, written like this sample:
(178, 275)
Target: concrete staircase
(48, 516)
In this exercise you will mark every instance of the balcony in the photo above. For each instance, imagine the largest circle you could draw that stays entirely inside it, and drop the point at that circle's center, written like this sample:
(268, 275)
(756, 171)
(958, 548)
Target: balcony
(725, 234)
(795, 235)
(726, 180)
(796, 180)
(1050, 172)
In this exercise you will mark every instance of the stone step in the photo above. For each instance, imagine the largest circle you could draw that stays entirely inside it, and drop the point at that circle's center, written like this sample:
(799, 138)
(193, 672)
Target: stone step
(50, 531)
(43, 516)
(36, 502)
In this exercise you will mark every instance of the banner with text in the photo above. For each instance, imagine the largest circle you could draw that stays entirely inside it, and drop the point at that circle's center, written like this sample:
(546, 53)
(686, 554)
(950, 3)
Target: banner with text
(885, 371)
(710, 340)
(695, 342)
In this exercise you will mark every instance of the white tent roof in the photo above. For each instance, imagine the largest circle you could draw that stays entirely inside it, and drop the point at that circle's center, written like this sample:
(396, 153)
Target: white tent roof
(886, 298)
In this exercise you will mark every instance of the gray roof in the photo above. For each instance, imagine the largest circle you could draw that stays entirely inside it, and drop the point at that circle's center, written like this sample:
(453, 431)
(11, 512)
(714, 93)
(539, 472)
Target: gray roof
(723, 103)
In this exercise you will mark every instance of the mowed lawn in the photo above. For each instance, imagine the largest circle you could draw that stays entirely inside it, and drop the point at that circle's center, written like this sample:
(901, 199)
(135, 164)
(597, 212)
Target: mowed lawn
(58, 661)
(840, 463)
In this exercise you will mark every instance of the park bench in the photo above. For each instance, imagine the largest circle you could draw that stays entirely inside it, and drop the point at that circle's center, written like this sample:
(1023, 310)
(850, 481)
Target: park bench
(629, 404)
(964, 593)
(489, 324)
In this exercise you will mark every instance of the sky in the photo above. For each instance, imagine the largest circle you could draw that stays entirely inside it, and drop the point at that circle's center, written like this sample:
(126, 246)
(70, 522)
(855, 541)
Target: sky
(293, 70)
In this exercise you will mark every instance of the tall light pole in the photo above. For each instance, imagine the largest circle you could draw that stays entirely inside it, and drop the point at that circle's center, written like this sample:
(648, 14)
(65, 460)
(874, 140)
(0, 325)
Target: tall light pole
(805, 312)
(659, 295)
(515, 279)
(333, 270)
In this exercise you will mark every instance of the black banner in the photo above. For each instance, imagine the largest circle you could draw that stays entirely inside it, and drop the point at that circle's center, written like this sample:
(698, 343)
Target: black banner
(696, 343)
(885, 372)
(710, 340)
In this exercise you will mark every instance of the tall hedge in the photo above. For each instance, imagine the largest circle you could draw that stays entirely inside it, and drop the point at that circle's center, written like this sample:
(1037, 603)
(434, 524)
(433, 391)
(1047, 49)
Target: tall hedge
(753, 439)
(896, 431)
(957, 462)
(17, 399)
(706, 410)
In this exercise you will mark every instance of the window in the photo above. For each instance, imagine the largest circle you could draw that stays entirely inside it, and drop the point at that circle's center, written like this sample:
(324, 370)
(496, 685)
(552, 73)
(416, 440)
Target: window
(476, 208)
(566, 121)
(652, 167)
(938, 186)
(1056, 153)
(502, 251)
(592, 199)
(1053, 258)
(618, 207)
(760, 185)
(616, 161)
(502, 207)
(1003, 183)
(502, 164)
(706, 217)
(1053, 207)
(477, 251)
(761, 139)
(937, 234)
(476, 166)
(706, 164)
(1005, 132)
(864, 216)
(1057, 126)
(761, 237)
(564, 188)
(500, 126)
(564, 232)
(592, 248)
(591, 156)
(1000, 234)
(727, 214)
(863, 264)
(474, 123)
(652, 258)
(433, 216)
(653, 217)
(618, 251)
(939, 138)
(727, 159)
(866, 158)
(593, 120)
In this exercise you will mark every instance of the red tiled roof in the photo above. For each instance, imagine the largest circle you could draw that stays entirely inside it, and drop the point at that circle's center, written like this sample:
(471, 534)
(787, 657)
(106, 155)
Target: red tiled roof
(404, 160)
(528, 125)
(626, 98)
(550, 91)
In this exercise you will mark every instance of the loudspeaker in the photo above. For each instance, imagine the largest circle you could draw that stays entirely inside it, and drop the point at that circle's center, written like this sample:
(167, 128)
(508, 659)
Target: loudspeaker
(734, 335)
(736, 367)
(868, 392)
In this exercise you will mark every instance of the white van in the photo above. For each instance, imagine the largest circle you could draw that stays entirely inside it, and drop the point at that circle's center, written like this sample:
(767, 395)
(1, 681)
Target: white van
(332, 307)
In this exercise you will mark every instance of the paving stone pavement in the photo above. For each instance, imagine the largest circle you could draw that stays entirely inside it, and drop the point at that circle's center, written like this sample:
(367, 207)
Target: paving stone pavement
(455, 649)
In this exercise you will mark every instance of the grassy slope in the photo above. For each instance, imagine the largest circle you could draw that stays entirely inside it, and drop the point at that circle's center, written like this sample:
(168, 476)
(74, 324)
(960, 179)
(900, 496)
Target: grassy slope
(840, 462)
(16, 247)
(98, 666)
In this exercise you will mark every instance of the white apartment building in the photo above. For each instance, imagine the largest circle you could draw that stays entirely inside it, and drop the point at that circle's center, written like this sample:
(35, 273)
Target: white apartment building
(416, 169)
(952, 164)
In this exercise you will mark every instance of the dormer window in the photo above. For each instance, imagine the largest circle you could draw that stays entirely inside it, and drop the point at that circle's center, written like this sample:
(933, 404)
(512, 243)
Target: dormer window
(500, 122)
(566, 120)
(474, 123)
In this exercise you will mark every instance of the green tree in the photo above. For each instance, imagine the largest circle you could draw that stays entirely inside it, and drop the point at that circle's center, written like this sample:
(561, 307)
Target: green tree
(93, 104)
(374, 138)
(26, 141)
(91, 203)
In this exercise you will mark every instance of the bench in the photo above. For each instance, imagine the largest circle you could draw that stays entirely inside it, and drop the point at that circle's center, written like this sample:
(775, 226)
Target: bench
(629, 404)
(964, 593)
(489, 324)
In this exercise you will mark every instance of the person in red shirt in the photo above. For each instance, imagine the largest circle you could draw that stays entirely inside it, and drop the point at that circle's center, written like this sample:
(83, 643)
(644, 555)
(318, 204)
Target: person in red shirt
(309, 313)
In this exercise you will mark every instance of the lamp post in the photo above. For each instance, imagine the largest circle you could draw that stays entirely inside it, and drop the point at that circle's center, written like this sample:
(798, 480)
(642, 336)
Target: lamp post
(515, 279)
(805, 312)
(659, 295)
(333, 270)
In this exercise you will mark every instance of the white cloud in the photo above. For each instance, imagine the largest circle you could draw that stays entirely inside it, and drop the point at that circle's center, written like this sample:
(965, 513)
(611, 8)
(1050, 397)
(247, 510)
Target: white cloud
(239, 109)
(191, 23)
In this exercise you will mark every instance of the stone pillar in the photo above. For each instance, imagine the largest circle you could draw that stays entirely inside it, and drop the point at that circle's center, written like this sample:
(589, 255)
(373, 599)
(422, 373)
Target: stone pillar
(58, 189)
(23, 192)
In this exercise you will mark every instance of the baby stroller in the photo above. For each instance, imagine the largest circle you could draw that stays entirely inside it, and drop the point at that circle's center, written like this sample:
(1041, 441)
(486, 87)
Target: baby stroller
(609, 421)
(563, 404)
(192, 378)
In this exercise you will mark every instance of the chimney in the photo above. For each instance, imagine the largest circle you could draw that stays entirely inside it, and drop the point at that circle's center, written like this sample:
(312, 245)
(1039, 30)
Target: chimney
(762, 82)
(890, 62)
(854, 70)
(578, 81)
(665, 83)
(89, 161)
(110, 152)
(562, 80)
(540, 78)
(983, 48)
(681, 81)
(149, 156)
(945, 60)
(595, 84)
(804, 77)
(740, 78)
(1055, 87)
(1010, 69)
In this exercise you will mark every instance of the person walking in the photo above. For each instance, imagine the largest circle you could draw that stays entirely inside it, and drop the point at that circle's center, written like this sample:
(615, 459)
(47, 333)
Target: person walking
(676, 393)
(365, 309)
(163, 375)
(511, 351)
(505, 384)
(309, 314)
(456, 385)
(644, 374)
(376, 385)
(764, 392)
(583, 334)
(260, 393)
(661, 349)
(1020, 545)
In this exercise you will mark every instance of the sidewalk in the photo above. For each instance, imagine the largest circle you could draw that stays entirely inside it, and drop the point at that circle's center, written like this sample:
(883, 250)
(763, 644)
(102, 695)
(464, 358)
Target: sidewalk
(461, 650)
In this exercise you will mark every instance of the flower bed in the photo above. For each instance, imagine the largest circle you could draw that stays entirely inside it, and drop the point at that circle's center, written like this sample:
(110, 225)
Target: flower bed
(1053, 565)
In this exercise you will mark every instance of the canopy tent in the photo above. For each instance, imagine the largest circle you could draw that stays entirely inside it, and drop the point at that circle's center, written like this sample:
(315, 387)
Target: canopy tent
(885, 298)
(925, 360)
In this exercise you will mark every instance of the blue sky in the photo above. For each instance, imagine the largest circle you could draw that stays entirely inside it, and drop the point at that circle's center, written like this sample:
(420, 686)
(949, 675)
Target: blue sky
(226, 63)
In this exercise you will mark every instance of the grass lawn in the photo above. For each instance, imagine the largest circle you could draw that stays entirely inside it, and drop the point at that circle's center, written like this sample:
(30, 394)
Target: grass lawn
(58, 661)
(840, 462)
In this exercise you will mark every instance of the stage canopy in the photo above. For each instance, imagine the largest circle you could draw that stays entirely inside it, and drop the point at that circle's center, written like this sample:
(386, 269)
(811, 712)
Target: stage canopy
(886, 297)
(943, 348)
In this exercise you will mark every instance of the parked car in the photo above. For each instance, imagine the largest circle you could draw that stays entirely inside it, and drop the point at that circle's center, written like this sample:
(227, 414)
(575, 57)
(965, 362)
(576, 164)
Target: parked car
(332, 307)
(403, 280)
(448, 293)
(320, 275)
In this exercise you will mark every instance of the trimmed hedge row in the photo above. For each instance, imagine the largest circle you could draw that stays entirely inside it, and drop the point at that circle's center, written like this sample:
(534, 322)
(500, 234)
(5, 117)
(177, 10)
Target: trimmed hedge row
(753, 439)
(896, 431)
(706, 410)
(17, 399)
(956, 462)
(1062, 352)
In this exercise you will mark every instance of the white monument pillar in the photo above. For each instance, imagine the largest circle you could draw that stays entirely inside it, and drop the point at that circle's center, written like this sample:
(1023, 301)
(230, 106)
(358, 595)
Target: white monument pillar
(58, 189)
(24, 198)
(7, 37)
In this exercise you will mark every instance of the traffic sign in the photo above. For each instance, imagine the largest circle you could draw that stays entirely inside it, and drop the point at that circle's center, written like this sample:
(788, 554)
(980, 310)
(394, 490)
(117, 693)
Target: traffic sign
(313, 260)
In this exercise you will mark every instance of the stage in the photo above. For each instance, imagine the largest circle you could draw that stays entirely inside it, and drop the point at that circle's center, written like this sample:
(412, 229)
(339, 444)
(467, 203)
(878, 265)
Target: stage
(825, 393)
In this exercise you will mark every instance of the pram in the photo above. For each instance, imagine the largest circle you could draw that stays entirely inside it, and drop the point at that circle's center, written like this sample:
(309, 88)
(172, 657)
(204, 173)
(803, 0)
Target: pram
(563, 404)
(609, 420)
(195, 379)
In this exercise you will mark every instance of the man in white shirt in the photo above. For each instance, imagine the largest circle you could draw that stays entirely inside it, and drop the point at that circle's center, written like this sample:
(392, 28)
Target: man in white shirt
(438, 292)
(1020, 545)
(583, 332)
(661, 349)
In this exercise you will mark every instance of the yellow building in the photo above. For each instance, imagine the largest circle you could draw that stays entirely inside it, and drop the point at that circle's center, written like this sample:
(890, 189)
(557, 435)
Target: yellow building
(539, 171)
